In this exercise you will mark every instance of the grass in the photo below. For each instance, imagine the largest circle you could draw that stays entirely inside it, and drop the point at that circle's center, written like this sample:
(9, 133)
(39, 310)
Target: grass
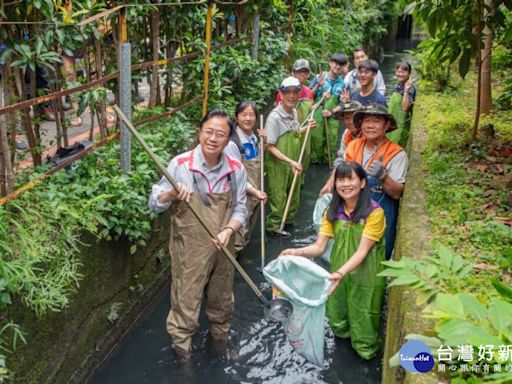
(469, 184)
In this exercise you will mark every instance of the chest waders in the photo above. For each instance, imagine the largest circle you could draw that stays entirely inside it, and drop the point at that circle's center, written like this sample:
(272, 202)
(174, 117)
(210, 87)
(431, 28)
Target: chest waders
(388, 150)
(303, 109)
(324, 127)
(390, 207)
(279, 180)
(400, 135)
(198, 269)
(252, 168)
(220, 280)
(354, 308)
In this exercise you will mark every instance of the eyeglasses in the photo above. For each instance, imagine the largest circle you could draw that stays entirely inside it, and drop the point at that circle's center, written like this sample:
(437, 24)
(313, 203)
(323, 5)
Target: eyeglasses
(218, 135)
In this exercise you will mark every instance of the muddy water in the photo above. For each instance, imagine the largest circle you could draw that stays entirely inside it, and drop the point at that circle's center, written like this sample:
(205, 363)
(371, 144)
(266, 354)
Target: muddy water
(257, 351)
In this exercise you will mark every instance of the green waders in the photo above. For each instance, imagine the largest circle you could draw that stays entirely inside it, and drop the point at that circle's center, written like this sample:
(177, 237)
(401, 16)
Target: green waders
(279, 180)
(354, 309)
(243, 236)
(318, 141)
(400, 135)
(303, 109)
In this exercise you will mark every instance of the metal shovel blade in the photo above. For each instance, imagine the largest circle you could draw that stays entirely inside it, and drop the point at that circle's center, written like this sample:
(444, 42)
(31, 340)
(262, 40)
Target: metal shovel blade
(281, 232)
(278, 310)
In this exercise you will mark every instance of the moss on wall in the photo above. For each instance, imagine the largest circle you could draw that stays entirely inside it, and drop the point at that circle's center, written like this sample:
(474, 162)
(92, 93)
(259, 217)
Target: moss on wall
(413, 240)
(62, 347)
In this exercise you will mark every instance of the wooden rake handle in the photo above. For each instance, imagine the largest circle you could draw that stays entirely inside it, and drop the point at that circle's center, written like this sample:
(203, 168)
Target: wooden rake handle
(212, 235)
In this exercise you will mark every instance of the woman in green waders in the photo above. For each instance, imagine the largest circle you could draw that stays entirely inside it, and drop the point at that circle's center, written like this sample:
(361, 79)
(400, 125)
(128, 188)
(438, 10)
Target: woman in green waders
(357, 225)
(401, 103)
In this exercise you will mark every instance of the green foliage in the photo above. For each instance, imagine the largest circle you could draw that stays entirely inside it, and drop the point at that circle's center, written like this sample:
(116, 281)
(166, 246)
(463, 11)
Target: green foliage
(504, 101)
(53, 26)
(10, 336)
(96, 196)
(91, 98)
(41, 269)
(259, 79)
(325, 27)
(452, 41)
(444, 273)
(47, 223)
(503, 289)
(463, 320)
(467, 288)
(429, 68)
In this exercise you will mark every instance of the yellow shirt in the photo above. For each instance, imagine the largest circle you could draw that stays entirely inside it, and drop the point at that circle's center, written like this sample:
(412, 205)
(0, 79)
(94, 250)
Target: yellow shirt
(373, 229)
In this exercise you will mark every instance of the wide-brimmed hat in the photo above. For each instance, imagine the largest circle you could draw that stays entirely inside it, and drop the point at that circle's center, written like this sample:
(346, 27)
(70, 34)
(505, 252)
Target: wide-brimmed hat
(290, 82)
(374, 109)
(349, 106)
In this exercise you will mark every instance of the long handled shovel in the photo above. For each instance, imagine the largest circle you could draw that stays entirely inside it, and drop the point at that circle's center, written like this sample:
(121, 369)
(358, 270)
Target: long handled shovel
(262, 188)
(275, 310)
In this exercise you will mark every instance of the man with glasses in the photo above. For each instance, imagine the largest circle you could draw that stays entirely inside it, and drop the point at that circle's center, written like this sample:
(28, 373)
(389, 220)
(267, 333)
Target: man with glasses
(215, 184)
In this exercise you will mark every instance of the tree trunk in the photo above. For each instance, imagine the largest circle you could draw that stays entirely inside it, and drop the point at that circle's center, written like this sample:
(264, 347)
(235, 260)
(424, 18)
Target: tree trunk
(155, 36)
(171, 52)
(27, 124)
(9, 97)
(57, 105)
(255, 35)
(474, 132)
(6, 173)
(91, 129)
(238, 21)
(291, 11)
(102, 115)
(37, 122)
(486, 55)
(88, 78)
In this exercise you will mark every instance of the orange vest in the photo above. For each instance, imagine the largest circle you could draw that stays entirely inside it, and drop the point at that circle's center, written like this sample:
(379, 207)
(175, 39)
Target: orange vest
(348, 137)
(355, 151)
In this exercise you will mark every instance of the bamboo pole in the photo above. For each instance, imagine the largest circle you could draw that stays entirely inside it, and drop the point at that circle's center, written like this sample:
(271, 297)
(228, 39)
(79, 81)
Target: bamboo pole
(212, 235)
(262, 189)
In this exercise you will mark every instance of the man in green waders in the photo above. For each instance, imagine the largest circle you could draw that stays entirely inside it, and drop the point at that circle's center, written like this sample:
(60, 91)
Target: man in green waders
(215, 184)
(401, 103)
(284, 144)
(302, 71)
(331, 85)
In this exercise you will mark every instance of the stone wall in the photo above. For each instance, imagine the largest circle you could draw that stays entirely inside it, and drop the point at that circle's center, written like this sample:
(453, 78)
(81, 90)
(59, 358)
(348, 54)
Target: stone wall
(63, 347)
(413, 238)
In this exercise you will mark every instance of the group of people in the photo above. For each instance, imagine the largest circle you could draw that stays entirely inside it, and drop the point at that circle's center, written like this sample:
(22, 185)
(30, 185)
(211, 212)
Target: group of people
(340, 118)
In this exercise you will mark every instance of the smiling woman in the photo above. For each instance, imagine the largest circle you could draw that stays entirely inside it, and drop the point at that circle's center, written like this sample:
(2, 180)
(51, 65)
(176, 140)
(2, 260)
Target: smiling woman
(243, 146)
(356, 224)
